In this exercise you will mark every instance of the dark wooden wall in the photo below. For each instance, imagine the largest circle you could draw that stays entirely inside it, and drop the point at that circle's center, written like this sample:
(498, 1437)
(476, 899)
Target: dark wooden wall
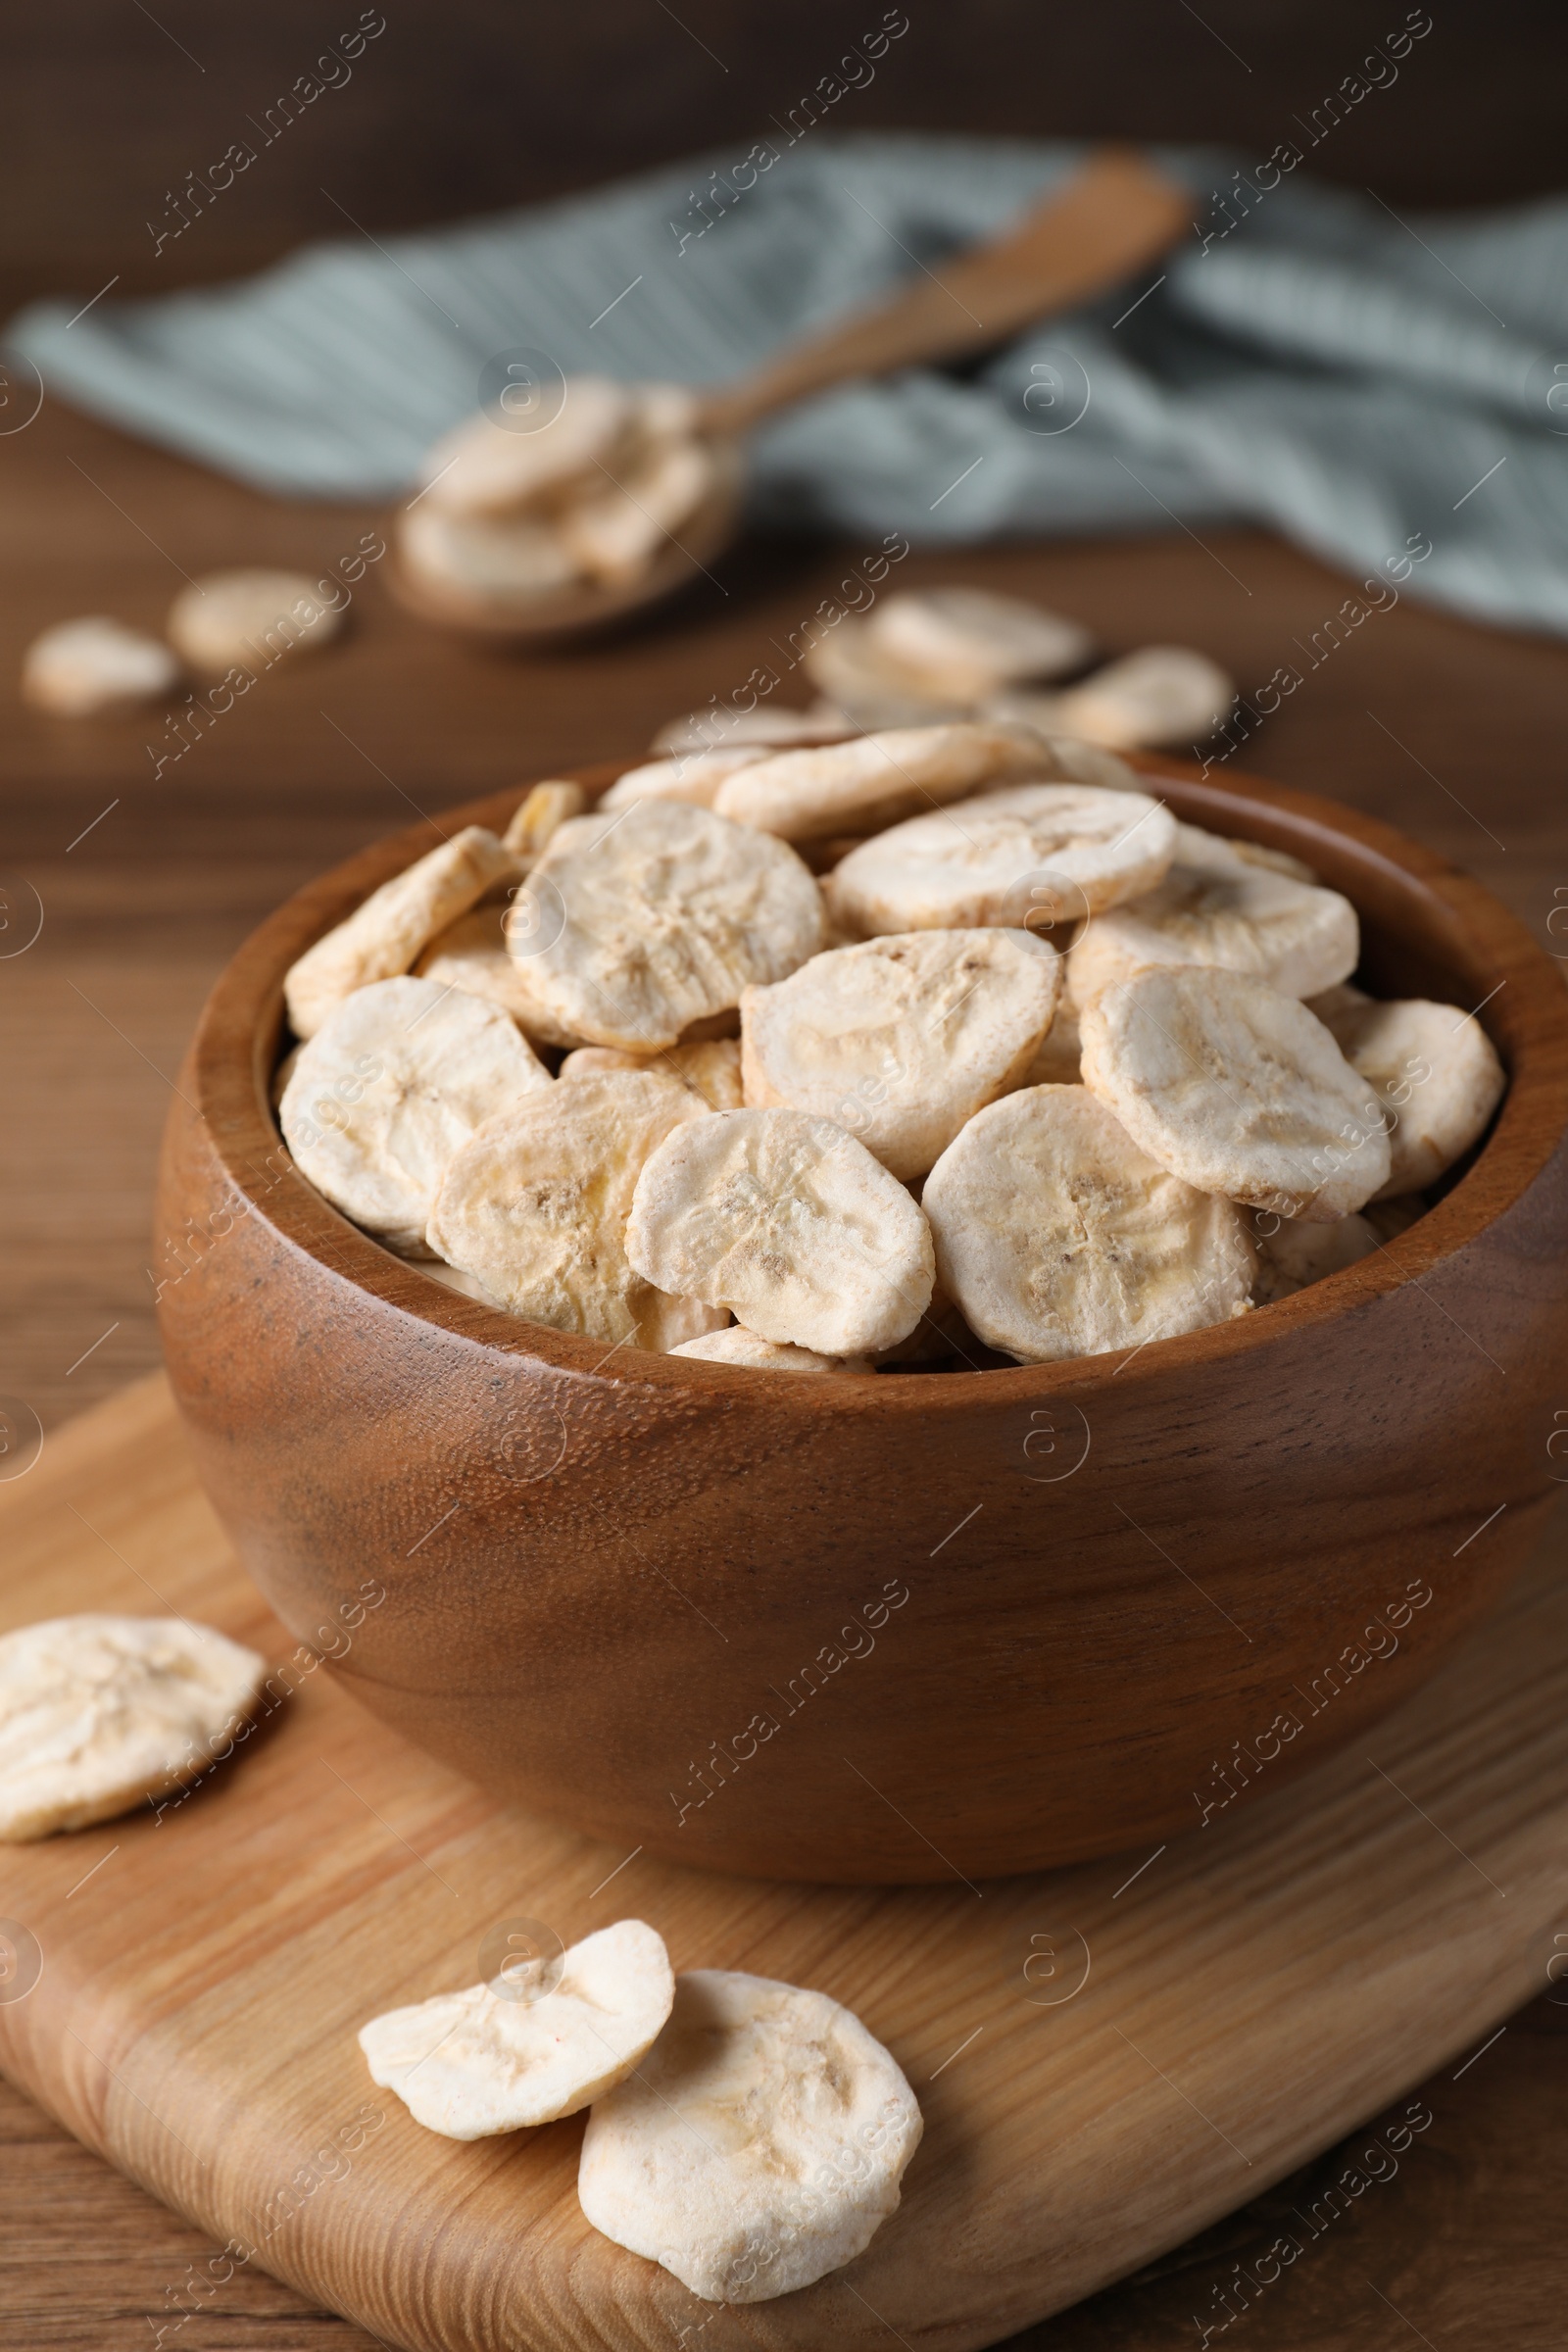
(463, 105)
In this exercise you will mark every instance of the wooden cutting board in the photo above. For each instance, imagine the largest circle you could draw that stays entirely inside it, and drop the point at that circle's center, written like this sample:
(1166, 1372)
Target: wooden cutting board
(1109, 2058)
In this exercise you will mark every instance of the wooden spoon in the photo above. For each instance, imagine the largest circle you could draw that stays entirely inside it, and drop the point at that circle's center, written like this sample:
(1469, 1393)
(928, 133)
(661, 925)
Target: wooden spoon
(1114, 215)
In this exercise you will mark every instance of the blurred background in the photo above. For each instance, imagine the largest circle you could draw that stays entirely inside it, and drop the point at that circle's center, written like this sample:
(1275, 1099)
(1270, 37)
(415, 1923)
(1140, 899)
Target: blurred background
(462, 106)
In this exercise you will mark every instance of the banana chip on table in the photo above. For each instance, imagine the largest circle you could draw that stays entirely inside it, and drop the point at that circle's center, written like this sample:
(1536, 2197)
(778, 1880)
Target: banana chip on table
(1160, 693)
(534, 1207)
(874, 779)
(1028, 855)
(81, 668)
(510, 2053)
(789, 1223)
(237, 616)
(760, 2144)
(867, 686)
(98, 1713)
(1059, 1237)
(385, 935)
(904, 1038)
(1217, 906)
(399, 1077)
(637, 923)
(969, 642)
(1435, 1070)
(1237, 1088)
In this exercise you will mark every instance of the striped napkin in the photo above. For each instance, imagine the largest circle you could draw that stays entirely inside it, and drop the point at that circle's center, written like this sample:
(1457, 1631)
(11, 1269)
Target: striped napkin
(1390, 389)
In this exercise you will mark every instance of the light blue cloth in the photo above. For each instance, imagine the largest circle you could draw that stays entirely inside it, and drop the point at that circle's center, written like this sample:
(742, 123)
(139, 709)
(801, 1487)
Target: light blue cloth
(1362, 381)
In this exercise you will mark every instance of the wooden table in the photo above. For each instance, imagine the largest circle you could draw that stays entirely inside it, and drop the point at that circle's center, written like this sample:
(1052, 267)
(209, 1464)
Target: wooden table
(148, 876)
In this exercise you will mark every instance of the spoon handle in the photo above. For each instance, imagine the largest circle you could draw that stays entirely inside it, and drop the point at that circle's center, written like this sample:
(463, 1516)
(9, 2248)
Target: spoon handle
(1114, 214)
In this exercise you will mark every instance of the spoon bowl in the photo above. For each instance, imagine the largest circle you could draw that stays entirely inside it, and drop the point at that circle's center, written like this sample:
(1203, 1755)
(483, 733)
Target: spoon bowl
(592, 604)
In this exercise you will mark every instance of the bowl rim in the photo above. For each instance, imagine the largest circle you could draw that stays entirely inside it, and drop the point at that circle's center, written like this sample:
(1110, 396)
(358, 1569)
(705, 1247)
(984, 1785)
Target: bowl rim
(234, 1050)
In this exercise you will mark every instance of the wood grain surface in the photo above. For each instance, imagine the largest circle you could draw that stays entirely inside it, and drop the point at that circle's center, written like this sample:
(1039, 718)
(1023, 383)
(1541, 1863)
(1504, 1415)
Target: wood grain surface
(1451, 731)
(185, 1983)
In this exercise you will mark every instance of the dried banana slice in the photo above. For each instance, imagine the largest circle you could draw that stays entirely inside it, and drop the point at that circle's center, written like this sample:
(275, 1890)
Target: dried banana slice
(693, 777)
(383, 937)
(762, 2144)
(636, 923)
(239, 616)
(98, 1713)
(1329, 1003)
(1437, 1072)
(876, 779)
(1237, 1088)
(398, 1078)
(719, 726)
(470, 2064)
(539, 815)
(471, 954)
(967, 642)
(788, 1222)
(534, 1206)
(1028, 855)
(81, 668)
(902, 1039)
(588, 1062)
(614, 533)
(1218, 907)
(1196, 847)
(670, 1323)
(712, 1066)
(1058, 1056)
(870, 687)
(1161, 694)
(505, 562)
(486, 468)
(1059, 1237)
(452, 1278)
(1292, 1256)
(738, 1345)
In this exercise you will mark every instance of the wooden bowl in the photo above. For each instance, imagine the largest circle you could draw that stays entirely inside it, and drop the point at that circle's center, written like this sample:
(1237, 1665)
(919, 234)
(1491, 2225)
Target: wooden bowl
(923, 1626)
